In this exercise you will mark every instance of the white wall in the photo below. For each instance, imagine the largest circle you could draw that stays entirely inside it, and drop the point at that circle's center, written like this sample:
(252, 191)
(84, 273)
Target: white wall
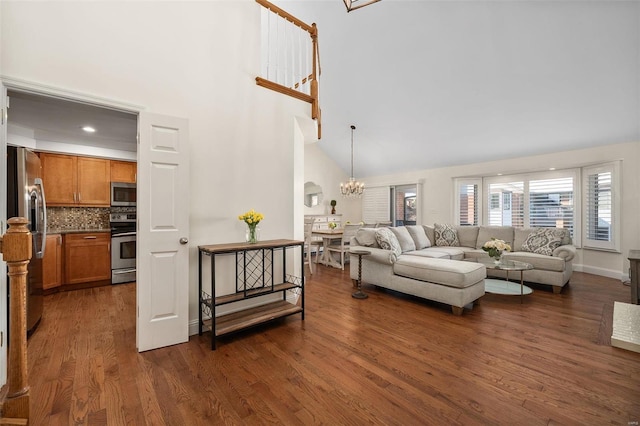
(196, 60)
(438, 194)
(323, 171)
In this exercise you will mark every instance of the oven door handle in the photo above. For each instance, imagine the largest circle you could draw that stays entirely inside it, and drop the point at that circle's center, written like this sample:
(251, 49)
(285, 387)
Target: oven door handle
(123, 271)
(126, 234)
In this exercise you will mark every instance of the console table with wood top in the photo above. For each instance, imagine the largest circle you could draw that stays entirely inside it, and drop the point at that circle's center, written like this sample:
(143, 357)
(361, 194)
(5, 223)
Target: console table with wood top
(255, 276)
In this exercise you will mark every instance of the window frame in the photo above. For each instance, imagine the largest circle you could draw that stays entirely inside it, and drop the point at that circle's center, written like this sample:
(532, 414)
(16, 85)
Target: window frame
(526, 178)
(614, 244)
(477, 182)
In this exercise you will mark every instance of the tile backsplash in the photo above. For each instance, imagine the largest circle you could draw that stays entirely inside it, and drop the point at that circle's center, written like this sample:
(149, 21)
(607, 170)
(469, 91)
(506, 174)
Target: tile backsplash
(73, 218)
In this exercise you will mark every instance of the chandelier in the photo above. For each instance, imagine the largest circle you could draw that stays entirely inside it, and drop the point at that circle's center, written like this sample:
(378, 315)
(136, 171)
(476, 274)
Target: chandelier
(352, 188)
(357, 4)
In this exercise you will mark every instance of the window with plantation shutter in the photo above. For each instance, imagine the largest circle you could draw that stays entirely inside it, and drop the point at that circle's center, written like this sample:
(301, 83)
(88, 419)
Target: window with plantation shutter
(506, 207)
(551, 203)
(600, 207)
(542, 200)
(468, 202)
(376, 204)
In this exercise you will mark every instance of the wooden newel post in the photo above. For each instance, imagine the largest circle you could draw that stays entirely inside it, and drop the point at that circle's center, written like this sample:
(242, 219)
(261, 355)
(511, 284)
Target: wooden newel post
(16, 251)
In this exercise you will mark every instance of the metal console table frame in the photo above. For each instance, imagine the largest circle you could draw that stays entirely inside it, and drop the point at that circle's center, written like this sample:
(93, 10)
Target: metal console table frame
(255, 277)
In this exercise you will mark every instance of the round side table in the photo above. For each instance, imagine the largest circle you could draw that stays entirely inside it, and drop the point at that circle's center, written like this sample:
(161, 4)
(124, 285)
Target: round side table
(359, 294)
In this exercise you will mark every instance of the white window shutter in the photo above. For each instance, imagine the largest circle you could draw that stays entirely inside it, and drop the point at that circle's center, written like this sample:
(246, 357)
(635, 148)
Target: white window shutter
(375, 204)
(600, 207)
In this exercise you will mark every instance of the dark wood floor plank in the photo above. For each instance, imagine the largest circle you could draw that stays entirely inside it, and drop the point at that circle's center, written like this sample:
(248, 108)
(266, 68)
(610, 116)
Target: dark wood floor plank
(388, 359)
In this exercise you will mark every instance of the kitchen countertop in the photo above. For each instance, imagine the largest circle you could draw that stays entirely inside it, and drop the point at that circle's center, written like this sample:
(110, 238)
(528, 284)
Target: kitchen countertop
(78, 231)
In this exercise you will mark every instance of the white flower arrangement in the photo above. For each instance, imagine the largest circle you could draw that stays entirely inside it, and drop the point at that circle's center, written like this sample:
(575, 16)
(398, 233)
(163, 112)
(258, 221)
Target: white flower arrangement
(495, 247)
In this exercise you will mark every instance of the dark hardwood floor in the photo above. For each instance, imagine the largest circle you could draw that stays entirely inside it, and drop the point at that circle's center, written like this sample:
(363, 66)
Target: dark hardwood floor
(389, 359)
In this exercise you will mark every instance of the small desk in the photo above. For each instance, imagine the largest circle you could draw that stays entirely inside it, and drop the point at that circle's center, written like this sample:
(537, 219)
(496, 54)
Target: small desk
(327, 236)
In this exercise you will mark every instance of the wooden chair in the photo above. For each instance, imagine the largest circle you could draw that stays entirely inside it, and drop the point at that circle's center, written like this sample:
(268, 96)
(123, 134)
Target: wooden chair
(310, 242)
(343, 246)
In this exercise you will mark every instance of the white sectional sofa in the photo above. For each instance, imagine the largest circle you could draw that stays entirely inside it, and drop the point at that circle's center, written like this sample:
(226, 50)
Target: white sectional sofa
(440, 262)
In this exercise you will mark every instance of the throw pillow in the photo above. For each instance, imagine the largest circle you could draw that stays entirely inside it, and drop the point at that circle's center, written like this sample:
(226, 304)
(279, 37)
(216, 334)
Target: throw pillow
(366, 237)
(419, 236)
(387, 240)
(446, 235)
(404, 238)
(543, 241)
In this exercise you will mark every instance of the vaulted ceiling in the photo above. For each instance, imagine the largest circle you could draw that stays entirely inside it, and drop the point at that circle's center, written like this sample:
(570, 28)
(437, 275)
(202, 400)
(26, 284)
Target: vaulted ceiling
(437, 83)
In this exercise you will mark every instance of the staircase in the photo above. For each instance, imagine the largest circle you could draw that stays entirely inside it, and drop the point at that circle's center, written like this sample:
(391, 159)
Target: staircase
(290, 57)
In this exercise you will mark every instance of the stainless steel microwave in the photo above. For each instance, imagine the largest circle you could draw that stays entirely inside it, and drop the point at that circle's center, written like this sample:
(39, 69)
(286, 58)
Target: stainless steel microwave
(123, 194)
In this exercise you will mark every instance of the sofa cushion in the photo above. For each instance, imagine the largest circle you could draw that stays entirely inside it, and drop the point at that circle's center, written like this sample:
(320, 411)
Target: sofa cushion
(387, 240)
(440, 271)
(519, 236)
(419, 236)
(446, 235)
(475, 254)
(504, 233)
(429, 253)
(543, 241)
(455, 253)
(467, 235)
(431, 233)
(404, 238)
(366, 237)
(539, 261)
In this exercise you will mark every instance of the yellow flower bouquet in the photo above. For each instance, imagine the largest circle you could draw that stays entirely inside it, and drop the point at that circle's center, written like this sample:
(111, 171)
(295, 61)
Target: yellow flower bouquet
(252, 218)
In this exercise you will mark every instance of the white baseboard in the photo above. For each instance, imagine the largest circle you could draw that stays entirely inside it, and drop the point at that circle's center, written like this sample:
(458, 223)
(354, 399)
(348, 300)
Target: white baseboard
(609, 273)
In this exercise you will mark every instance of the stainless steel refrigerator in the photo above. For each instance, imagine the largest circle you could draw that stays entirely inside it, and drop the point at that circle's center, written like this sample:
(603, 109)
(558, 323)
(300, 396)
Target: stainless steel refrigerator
(25, 198)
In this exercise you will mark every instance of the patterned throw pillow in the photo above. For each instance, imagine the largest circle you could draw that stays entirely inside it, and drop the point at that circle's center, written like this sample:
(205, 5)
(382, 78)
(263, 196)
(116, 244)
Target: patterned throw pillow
(543, 241)
(446, 235)
(387, 240)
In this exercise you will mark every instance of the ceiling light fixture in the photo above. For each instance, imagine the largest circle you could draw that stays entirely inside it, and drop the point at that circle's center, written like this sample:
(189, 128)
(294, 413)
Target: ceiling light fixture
(88, 129)
(357, 4)
(352, 188)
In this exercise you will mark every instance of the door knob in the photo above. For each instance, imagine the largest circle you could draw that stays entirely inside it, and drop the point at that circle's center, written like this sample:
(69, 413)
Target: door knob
(184, 240)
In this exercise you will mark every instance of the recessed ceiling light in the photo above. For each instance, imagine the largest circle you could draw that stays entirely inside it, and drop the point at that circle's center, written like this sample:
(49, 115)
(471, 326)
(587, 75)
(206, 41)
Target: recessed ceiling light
(88, 129)
(552, 168)
(499, 174)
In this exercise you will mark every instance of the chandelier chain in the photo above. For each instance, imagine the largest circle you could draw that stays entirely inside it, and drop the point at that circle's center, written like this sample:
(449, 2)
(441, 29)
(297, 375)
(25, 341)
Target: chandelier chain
(352, 188)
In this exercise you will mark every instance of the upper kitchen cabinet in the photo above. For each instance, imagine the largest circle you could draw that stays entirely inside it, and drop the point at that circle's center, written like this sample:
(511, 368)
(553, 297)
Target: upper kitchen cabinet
(123, 171)
(70, 180)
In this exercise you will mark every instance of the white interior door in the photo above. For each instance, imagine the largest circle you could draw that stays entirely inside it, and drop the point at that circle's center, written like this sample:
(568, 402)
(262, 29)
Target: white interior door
(3, 227)
(163, 231)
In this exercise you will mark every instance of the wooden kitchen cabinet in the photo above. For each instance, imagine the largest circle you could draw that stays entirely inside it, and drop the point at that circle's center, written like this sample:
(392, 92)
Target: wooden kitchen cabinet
(123, 171)
(71, 180)
(52, 262)
(60, 179)
(87, 257)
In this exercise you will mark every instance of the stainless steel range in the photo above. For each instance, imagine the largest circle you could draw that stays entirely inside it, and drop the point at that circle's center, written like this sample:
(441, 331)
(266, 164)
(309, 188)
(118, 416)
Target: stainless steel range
(123, 247)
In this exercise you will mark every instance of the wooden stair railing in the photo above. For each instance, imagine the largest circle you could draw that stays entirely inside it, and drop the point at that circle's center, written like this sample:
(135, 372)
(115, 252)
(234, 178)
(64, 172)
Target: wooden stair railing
(15, 247)
(295, 90)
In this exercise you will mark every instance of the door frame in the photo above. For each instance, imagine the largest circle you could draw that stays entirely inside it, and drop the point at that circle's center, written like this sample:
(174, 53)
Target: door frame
(55, 92)
(4, 302)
